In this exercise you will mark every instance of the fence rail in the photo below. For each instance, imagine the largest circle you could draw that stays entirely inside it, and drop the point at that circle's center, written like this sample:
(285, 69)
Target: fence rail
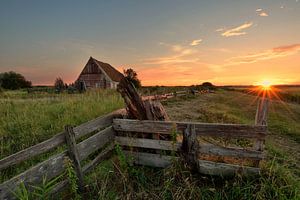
(54, 166)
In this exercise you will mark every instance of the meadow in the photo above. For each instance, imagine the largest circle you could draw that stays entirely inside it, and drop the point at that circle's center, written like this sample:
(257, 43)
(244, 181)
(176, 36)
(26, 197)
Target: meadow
(29, 120)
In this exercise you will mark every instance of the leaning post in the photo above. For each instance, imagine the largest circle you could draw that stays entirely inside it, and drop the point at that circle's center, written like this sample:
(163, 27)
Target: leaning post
(74, 155)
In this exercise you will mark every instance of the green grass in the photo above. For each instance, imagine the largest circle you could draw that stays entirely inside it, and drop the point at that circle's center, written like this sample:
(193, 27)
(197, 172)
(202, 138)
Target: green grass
(29, 121)
(26, 122)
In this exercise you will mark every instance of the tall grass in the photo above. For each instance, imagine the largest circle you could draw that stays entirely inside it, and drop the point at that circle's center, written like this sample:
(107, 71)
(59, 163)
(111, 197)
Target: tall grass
(25, 122)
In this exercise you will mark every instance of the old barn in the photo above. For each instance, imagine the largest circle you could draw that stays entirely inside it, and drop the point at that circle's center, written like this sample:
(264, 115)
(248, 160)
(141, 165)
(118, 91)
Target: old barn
(97, 74)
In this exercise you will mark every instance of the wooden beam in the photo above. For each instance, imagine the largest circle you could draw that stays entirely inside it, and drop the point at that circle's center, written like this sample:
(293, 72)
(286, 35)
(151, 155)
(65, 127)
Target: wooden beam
(149, 159)
(105, 154)
(190, 147)
(261, 119)
(54, 166)
(148, 143)
(201, 129)
(59, 139)
(223, 169)
(74, 156)
(95, 142)
(227, 151)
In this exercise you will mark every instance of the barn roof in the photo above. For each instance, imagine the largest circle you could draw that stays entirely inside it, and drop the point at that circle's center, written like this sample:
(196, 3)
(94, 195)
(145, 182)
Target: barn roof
(114, 74)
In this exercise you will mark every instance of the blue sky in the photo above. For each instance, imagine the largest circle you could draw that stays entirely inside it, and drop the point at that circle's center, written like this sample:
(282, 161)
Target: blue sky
(167, 42)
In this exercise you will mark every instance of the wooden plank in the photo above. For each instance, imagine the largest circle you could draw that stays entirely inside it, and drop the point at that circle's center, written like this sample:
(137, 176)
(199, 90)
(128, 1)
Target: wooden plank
(95, 142)
(74, 156)
(149, 159)
(201, 129)
(223, 169)
(54, 166)
(261, 119)
(226, 151)
(59, 139)
(105, 154)
(148, 143)
(190, 146)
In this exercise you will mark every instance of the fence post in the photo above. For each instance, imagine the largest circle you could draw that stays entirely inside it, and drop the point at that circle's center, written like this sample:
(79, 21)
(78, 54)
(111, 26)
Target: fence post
(261, 119)
(74, 155)
(190, 147)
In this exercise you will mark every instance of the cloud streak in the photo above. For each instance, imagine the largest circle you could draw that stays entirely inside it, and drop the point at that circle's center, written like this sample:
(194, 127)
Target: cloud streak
(237, 30)
(277, 52)
(261, 12)
(196, 42)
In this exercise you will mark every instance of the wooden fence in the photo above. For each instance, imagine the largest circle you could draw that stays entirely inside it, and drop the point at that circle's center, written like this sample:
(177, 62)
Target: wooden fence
(54, 166)
(155, 159)
(175, 94)
(150, 143)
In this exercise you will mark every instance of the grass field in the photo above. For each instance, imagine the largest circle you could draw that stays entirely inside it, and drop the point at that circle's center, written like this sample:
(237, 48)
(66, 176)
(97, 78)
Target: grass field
(27, 121)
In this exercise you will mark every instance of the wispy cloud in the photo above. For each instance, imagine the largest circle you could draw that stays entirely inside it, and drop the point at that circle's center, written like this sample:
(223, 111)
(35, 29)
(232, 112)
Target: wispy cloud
(261, 12)
(180, 54)
(196, 42)
(237, 30)
(273, 53)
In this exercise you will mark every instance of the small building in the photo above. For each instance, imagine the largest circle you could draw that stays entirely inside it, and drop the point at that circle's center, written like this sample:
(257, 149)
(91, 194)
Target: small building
(97, 74)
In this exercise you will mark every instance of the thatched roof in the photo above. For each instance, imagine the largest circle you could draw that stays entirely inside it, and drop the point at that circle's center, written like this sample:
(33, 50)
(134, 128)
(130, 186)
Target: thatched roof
(114, 74)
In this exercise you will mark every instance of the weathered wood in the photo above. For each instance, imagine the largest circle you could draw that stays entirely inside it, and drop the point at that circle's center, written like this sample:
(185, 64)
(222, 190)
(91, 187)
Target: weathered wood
(59, 139)
(105, 154)
(223, 169)
(262, 111)
(74, 156)
(190, 146)
(149, 159)
(233, 152)
(95, 142)
(201, 129)
(49, 168)
(54, 166)
(155, 111)
(261, 119)
(148, 143)
(135, 106)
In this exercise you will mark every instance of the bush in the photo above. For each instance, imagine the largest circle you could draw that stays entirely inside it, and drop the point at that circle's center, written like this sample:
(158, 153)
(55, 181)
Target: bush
(59, 84)
(208, 86)
(13, 81)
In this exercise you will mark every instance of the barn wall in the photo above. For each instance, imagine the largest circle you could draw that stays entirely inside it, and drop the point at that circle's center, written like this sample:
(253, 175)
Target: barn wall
(94, 78)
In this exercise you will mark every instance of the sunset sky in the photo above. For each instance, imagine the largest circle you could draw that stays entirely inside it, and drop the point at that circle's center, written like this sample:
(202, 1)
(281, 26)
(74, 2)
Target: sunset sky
(168, 42)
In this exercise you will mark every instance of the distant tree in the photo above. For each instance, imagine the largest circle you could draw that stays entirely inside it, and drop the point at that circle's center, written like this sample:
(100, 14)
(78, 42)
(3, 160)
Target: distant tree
(59, 84)
(131, 75)
(13, 81)
(208, 85)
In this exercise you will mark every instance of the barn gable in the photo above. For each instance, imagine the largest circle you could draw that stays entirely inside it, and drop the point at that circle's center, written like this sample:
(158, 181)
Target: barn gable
(97, 74)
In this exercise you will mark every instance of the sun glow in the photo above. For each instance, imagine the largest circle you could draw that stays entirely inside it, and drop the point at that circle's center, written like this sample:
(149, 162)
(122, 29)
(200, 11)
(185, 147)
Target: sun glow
(266, 84)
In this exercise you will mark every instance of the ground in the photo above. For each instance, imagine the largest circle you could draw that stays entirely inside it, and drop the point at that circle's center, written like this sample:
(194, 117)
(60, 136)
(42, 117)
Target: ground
(30, 119)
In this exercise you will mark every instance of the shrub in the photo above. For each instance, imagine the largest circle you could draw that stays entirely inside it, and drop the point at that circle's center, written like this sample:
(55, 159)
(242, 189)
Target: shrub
(13, 81)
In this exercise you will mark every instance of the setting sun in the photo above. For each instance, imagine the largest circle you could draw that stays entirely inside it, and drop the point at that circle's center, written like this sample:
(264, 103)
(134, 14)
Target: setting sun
(266, 84)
